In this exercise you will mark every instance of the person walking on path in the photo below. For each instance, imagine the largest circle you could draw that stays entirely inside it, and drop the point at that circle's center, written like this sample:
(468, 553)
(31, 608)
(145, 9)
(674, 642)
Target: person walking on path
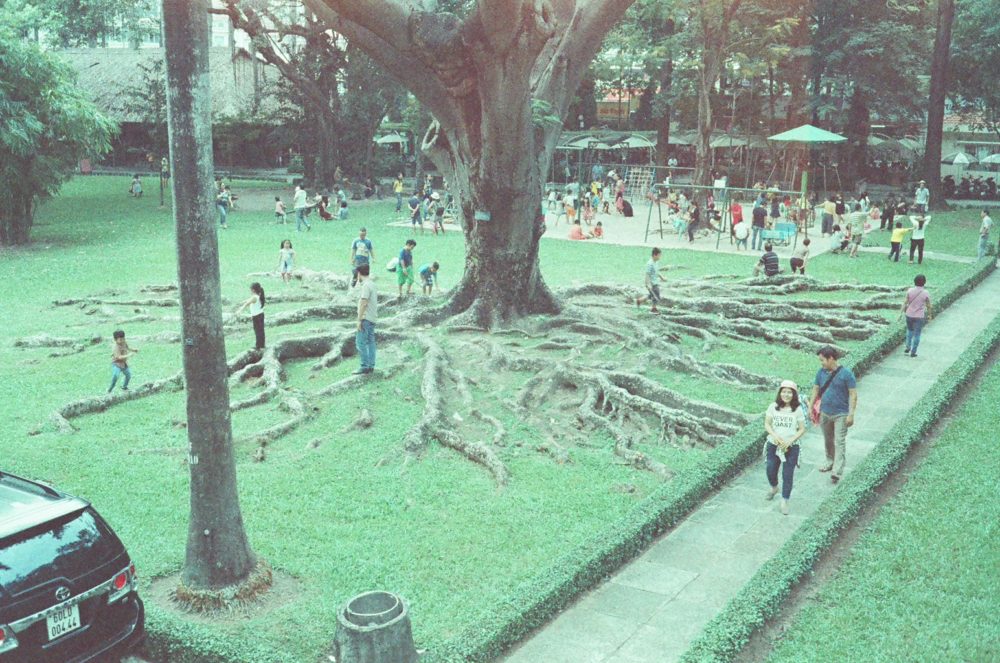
(984, 233)
(301, 206)
(917, 309)
(364, 339)
(921, 198)
(653, 278)
(256, 304)
(785, 424)
(835, 391)
(917, 238)
(286, 260)
(120, 354)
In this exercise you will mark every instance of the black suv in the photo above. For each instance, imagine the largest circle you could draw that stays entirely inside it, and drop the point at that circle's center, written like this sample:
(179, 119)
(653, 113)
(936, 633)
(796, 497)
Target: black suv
(67, 585)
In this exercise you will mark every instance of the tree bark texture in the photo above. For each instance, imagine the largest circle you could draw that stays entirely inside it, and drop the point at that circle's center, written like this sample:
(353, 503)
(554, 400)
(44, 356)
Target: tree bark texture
(715, 17)
(499, 83)
(935, 106)
(218, 554)
(16, 222)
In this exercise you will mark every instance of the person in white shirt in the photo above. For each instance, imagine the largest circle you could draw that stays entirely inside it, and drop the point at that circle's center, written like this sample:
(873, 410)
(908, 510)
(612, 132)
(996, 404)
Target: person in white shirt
(301, 206)
(922, 197)
(919, 223)
(785, 424)
(367, 316)
(984, 233)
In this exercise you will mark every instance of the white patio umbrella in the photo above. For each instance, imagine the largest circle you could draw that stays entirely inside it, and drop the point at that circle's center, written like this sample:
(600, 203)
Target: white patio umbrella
(959, 159)
(993, 158)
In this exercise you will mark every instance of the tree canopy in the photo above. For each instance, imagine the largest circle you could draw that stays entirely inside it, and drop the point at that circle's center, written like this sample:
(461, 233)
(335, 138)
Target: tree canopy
(46, 126)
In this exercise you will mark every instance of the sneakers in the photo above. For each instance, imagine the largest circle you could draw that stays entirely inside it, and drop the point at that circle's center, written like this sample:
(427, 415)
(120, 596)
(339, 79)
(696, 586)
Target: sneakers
(771, 493)
(362, 371)
(913, 354)
(834, 479)
(906, 351)
(826, 468)
(784, 507)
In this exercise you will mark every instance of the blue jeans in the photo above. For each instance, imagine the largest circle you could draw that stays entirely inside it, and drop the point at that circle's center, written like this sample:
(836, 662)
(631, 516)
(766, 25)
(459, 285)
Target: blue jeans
(913, 328)
(300, 218)
(754, 236)
(364, 339)
(787, 472)
(223, 213)
(115, 372)
(983, 243)
(399, 202)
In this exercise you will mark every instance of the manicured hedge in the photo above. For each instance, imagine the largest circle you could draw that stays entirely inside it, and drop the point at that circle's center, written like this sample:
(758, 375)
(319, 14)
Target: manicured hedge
(761, 598)
(534, 602)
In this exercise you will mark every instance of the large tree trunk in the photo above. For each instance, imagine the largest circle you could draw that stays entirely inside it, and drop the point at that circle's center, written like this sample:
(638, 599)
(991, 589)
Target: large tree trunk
(708, 73)
(218, 553)
(858, 128)
(935, 106)
(16, 222)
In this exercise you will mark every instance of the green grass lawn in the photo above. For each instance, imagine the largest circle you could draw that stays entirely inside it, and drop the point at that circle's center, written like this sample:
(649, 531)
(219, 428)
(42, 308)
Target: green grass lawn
(922, 583)
(954, 233)
(347, 516)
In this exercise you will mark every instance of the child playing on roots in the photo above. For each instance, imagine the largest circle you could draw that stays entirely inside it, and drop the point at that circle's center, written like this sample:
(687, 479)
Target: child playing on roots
(286, 260)
(120, 354)
(256, 304)
(653, 278)
(428, 277)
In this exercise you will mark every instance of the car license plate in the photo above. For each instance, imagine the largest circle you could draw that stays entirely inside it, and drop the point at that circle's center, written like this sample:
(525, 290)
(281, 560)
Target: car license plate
(64, 621)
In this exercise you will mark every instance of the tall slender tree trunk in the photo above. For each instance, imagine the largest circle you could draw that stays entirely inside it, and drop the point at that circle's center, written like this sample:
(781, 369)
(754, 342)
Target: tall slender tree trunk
(661, 112)
(935, 106)
(708, 73)
(218, 553)
(858, 128)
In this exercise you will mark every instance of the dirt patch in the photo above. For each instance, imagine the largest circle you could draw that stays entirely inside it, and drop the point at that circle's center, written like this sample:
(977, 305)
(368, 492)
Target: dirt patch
(805, 592)
(284, 589)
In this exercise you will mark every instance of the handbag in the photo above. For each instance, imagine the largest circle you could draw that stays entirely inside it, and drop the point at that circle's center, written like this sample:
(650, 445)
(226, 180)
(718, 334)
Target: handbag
(815, 405)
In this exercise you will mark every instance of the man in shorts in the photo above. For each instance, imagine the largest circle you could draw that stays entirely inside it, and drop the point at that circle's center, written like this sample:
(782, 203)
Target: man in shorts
(362, 253)
(653, 278)
(404, 268)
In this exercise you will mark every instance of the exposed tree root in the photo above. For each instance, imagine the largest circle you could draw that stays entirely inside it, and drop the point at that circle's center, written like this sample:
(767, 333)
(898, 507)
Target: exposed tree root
(47, 341)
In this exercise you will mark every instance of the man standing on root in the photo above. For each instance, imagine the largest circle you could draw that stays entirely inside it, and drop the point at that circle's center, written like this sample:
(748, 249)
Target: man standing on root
(837, 388)
(364, 339)
(653, 278)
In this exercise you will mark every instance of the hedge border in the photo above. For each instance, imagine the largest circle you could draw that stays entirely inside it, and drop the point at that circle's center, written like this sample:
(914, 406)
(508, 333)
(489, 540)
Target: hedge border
(761, 598)
(535, 601)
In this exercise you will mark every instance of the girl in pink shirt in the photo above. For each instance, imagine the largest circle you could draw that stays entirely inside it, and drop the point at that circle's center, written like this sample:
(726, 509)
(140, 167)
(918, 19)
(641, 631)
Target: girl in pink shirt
(917, 309)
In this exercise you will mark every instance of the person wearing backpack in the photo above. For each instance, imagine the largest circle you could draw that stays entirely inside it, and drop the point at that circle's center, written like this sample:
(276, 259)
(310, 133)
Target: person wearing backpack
(832, 405)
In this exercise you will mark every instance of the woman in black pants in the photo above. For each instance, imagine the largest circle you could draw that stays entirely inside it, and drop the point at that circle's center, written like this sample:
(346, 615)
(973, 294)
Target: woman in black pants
(256, 304)
(917, 238)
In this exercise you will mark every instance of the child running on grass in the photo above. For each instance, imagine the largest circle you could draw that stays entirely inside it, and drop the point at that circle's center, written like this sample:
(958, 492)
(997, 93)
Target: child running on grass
(256, 304)
(120, 354)
(653, 278)
(286, 260)
(428, 277)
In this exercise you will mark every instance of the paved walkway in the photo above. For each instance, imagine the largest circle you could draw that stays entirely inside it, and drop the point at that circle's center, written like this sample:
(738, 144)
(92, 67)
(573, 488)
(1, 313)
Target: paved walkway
(653, 608)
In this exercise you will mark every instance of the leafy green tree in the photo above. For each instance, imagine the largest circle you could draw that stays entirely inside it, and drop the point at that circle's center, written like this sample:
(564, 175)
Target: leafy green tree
(46, 126)
(975, 62)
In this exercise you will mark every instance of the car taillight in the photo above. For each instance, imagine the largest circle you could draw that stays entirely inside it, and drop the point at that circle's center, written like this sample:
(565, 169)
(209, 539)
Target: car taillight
(122, 584)
(7, 639)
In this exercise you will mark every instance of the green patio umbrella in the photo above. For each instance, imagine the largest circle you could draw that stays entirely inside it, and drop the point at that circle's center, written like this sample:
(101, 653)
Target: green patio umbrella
(807, 134)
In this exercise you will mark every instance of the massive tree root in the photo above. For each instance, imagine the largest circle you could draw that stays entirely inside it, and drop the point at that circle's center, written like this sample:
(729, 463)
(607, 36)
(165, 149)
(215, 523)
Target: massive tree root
(574, 381)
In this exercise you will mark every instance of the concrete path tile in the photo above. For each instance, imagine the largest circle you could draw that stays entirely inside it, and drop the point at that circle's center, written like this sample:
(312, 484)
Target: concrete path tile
(624, 601)
(680, 555)
(659, 579)
(580, 636)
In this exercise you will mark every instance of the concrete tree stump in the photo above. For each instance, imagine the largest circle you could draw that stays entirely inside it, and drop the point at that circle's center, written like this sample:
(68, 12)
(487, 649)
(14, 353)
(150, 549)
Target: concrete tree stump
(374, 627)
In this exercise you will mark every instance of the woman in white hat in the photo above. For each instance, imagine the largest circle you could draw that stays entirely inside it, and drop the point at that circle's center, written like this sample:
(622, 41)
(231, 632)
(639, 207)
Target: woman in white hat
(785, 424)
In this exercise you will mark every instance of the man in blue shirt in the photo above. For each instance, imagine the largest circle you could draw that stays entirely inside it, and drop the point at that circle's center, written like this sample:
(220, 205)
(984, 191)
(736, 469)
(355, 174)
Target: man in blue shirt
(837, 407)
(416, 213)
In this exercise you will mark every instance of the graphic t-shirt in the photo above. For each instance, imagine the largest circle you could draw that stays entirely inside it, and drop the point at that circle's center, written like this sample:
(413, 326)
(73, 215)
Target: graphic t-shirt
(785, 422)
(362, 251)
